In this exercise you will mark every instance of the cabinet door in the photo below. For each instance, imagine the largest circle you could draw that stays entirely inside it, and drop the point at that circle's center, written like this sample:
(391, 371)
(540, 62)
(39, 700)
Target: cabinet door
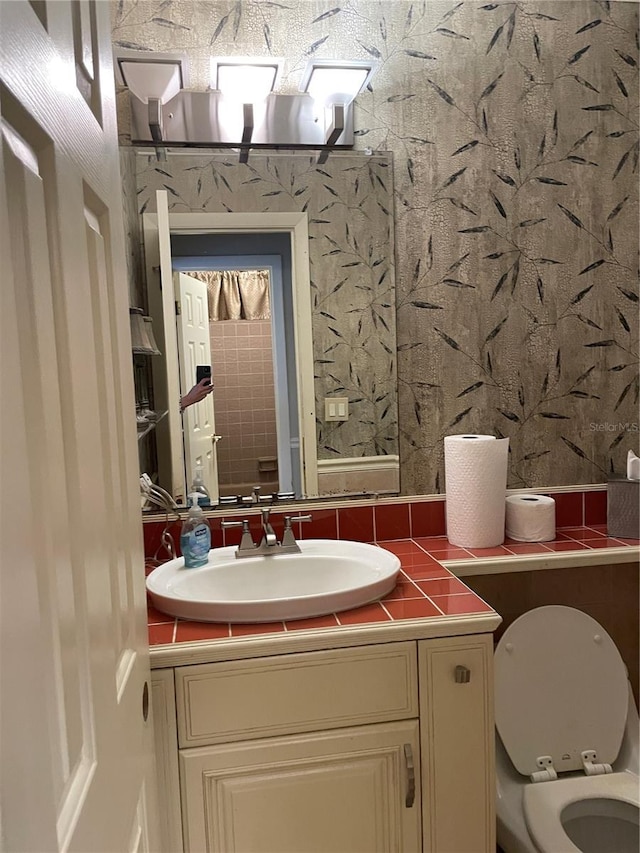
(347, 791)
(457, 736)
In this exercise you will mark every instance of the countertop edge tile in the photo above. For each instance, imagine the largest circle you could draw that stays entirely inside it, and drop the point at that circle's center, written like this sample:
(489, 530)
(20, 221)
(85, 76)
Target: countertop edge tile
(540, 562)
(320, 639)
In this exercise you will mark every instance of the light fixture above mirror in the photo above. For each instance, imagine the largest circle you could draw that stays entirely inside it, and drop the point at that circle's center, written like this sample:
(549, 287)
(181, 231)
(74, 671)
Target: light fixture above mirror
(245, 110)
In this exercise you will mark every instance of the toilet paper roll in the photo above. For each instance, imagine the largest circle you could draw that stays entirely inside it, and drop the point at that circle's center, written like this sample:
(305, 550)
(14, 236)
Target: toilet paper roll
(530, 518)
(475, 469)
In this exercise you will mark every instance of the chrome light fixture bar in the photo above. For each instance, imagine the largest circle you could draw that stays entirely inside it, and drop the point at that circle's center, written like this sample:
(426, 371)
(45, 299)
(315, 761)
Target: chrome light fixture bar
(252, 117)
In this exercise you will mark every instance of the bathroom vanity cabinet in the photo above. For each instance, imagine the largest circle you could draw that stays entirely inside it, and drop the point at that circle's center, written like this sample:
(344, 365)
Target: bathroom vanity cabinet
(384, 746)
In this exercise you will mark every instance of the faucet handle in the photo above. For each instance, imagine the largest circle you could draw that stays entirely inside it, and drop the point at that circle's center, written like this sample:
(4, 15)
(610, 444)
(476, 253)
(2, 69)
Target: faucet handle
(288, 519)
(288, 539)
(246, 542)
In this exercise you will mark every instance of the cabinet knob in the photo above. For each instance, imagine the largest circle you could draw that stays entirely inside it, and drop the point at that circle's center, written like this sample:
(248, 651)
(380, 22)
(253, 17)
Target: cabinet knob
(462, 675)
(216, 438)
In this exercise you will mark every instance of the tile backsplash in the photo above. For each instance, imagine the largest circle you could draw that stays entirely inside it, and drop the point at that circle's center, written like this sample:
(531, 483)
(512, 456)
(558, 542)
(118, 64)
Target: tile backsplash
(381, 521)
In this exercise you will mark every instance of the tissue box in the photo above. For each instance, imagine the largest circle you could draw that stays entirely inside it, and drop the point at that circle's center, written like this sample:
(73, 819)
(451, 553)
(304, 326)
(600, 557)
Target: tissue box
(623, 508)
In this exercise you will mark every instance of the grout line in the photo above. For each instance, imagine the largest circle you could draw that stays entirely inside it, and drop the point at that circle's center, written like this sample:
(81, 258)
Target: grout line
(434, 554)
(466, 591)
(453, 594)
(387, 612)
(531, 553)
(435, 605)
(422, 548)
(421, 593)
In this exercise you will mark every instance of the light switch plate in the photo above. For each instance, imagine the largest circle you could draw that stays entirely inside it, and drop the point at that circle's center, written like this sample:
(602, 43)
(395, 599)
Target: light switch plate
(336, 408)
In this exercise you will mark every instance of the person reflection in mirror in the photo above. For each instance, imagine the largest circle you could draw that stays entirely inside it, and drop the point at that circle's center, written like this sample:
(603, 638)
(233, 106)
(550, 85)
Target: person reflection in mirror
(197, 393)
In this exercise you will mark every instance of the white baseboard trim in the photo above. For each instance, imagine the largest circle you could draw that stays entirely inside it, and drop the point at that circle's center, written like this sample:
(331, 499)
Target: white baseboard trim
(354, 464)
(377, 475)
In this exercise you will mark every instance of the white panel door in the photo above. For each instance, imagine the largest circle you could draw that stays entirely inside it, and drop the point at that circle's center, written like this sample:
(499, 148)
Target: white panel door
(77, 762)
(194, 348)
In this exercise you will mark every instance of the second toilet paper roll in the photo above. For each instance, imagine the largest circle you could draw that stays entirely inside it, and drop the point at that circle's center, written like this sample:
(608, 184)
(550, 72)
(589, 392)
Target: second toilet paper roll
(530, 518)
(476, 483)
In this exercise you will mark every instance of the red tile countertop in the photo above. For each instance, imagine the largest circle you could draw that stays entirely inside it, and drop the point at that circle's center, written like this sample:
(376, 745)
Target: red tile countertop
(425, 590)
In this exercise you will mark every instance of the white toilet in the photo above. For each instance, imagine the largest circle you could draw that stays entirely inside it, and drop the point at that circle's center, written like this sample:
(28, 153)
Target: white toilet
(567, 756)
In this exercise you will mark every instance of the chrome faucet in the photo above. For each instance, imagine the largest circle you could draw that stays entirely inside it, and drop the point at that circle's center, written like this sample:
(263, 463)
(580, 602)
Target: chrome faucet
(269, 538)
(269, 545)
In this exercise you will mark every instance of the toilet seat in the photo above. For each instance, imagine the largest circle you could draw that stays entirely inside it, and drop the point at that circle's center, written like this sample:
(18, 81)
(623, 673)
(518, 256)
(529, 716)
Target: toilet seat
(545, 802)
(560, 690)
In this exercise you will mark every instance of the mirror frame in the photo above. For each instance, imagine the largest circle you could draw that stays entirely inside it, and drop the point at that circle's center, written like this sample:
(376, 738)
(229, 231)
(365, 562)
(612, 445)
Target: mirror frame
(161, 305)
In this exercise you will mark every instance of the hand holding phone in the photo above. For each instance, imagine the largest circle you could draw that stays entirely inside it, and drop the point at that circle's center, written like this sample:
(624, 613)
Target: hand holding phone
(203, 371)
(200, 390)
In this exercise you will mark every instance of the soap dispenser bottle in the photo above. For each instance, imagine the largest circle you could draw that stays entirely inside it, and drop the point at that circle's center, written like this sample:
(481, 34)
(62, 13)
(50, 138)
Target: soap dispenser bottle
(195, 537)
(198, 487)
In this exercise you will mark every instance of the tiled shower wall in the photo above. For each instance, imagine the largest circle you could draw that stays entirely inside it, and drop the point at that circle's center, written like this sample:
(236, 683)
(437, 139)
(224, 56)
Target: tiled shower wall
(514, 133)
(245, 404)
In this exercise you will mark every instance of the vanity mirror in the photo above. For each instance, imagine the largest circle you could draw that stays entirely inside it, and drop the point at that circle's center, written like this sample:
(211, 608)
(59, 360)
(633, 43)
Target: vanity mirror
(311, 403)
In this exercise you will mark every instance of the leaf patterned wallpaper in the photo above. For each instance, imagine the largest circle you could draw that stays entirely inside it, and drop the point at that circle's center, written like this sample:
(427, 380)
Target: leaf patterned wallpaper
(514, 133)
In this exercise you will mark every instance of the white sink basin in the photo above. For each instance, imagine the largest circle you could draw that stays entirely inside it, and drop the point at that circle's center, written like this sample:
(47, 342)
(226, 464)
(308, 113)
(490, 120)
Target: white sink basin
(328, 576)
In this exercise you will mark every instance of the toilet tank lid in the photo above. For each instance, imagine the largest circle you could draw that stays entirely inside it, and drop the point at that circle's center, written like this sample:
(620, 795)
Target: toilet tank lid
(560, 689)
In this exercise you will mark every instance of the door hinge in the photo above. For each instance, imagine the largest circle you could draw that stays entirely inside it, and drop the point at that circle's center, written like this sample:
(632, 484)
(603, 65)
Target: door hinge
(178, 311)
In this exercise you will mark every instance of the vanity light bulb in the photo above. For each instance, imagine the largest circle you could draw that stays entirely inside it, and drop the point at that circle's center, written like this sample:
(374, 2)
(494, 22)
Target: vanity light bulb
(329, 86)
(246, 84)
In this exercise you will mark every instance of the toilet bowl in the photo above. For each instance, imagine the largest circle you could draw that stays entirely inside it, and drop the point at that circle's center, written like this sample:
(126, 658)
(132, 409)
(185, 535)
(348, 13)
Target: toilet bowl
(567, 746)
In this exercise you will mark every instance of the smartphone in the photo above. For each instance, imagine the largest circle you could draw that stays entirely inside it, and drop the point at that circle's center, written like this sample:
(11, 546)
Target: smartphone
(203, 371)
